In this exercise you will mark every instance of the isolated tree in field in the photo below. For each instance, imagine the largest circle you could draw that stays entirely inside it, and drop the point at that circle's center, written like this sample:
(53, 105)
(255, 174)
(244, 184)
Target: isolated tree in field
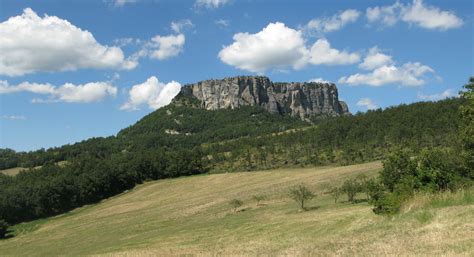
(3, 228)
(235, 204)
(258, 199)
(351, 187)
(300, 194)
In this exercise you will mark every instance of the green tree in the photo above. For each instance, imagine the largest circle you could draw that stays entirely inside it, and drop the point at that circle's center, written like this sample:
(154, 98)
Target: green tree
(351, 187)
(397, 166)
(300, 194)
(235, 204)
(467, 127)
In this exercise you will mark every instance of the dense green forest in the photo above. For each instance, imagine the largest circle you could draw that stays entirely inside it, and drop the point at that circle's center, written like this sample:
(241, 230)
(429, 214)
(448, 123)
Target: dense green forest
(183, 139)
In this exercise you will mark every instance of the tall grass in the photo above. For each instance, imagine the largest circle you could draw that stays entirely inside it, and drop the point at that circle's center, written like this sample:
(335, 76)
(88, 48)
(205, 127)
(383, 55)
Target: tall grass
(438, 200)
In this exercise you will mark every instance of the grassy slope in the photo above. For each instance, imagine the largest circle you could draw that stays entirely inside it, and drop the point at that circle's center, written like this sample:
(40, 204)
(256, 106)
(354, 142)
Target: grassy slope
(191, 215)
(12, 171)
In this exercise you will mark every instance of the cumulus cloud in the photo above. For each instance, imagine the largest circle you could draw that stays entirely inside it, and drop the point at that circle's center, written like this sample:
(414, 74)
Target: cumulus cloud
(387, 15)
(375, 59)
(332, 23)
(367, 103)
(417, 13)
(153, 93)
(58, 45)
(68, 92)
(211, 3)
(319, 80)
(435, 97)
(160, 47)
(264, 50)
(409, 74)
(164, 47)
(430, 17)
(322, 53)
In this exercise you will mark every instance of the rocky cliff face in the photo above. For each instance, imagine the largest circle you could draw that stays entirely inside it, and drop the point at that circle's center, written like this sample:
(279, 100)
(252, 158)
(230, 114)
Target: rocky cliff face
(305, 100)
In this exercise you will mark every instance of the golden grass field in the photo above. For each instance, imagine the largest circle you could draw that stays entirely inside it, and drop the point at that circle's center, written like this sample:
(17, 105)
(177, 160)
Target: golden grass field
(12, 171)
(190, 216)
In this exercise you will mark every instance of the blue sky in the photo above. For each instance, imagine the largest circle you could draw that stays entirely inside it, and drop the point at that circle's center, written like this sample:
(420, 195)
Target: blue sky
(71, 70)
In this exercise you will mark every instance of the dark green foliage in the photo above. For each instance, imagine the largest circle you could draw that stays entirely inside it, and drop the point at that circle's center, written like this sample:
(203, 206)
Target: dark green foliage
(434, 170)
(235, 204)
(53, 189)
(397, 166)
(301, 194)
(3, 229)
(467, 128)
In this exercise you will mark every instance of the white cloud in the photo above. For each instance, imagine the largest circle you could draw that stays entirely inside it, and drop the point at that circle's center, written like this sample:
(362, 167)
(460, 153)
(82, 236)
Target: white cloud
(265, 50)
(409, 74)
(430, 17)
(375, 59)
(367, 103)
(387, 15)
(14, 117)
(179, 26)
(319, 80)
(164, 47)
(222, 23)
(120, 3)
(434, 97)
(86, 93)
(425, 16)
(57, 45)
(333, 23)
(211, 3)
(153, 93)
(322, 53)
(275, 47)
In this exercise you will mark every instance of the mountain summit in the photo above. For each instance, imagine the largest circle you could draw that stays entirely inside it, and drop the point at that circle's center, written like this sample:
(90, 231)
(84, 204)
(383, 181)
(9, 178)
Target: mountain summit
(305, 100)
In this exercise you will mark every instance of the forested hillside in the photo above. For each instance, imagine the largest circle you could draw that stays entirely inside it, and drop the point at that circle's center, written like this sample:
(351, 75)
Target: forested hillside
(181, 139)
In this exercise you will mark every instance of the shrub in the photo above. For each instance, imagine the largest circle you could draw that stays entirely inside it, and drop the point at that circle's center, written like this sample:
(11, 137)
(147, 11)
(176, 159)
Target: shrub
(235, 204)
(3, 229)
(397, 166)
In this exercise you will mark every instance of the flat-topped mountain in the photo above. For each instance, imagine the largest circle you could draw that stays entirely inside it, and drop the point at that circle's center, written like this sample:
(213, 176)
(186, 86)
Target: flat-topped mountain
(305, 100)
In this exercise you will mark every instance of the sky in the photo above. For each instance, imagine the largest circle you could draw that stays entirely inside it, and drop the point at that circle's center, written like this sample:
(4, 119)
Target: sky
(72, 70)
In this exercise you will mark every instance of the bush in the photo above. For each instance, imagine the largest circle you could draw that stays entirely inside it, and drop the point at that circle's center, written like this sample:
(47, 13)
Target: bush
(397, 166)
(3, 229)
(235, 204)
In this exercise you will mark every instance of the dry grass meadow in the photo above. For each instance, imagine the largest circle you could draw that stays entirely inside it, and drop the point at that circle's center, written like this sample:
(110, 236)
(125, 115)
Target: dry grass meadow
(190, 216)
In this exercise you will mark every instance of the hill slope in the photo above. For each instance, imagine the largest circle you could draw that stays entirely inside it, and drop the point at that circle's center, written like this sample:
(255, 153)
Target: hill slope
(191, 215)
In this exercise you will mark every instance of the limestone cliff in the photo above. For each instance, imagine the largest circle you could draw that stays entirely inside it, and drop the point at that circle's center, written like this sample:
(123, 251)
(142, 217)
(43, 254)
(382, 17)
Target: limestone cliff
(305, 100)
